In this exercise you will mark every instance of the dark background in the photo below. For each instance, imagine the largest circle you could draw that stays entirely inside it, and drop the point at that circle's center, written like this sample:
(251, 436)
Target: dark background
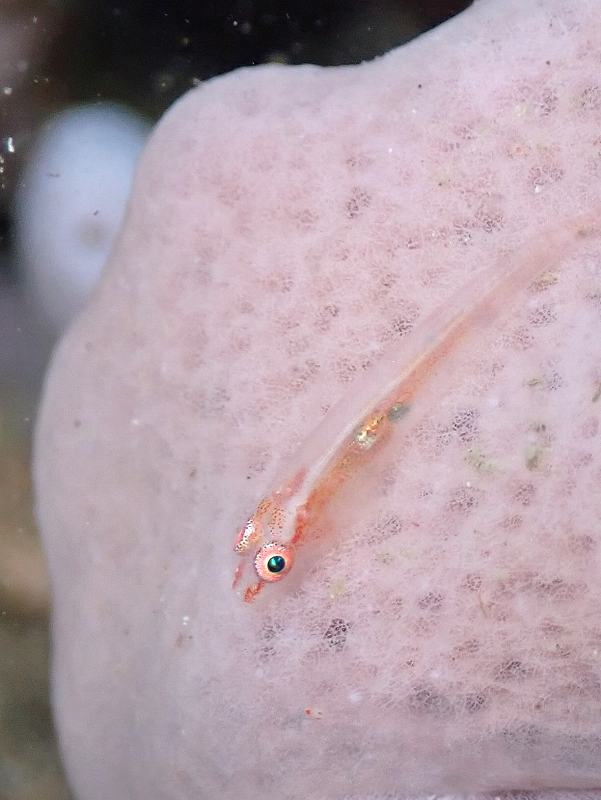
(151, 53)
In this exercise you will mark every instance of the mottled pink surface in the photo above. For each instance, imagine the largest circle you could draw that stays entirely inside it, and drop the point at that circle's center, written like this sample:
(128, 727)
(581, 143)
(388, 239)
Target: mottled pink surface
(286, 225)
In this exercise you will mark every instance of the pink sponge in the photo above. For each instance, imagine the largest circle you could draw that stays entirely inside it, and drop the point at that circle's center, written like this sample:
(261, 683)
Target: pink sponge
(289, 226)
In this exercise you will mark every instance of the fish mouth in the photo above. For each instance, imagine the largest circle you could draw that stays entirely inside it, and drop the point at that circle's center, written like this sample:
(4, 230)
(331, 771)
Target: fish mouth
(237, 576)
(251, 590)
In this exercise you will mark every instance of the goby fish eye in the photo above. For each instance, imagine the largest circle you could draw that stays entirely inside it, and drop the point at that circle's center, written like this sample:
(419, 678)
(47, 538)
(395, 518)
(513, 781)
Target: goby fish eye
(274, 561)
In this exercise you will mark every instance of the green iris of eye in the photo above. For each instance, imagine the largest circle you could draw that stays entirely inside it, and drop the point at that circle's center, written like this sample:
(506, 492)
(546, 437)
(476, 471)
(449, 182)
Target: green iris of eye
(276, 563)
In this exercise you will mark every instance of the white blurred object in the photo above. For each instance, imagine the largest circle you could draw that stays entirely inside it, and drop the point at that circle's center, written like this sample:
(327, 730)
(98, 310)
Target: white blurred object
(71, 201)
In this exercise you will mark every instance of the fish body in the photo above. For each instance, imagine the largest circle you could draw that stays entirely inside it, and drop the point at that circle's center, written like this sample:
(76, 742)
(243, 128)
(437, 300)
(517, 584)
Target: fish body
(362, 422)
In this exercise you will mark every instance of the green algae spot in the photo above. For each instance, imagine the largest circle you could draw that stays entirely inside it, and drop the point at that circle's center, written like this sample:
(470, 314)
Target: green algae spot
(534, 455)
(398, 411)
(480, 462)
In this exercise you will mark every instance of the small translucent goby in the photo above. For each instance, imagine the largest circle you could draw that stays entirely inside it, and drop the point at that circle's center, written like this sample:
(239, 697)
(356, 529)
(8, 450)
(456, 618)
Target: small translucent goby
(269, 543)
